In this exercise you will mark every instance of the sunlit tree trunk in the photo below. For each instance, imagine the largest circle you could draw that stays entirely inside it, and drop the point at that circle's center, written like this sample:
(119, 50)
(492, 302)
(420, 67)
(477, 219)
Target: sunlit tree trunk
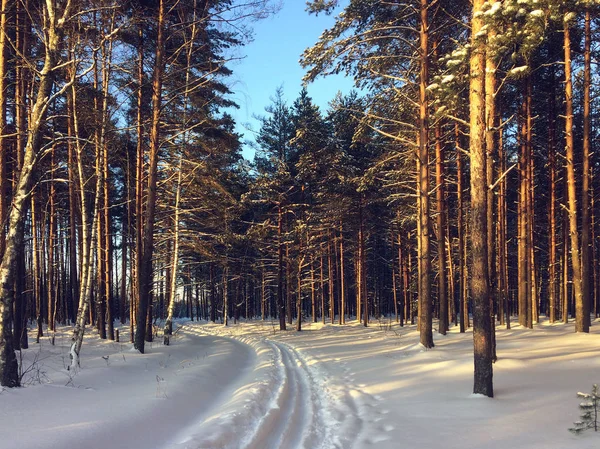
(280, 298)
(441, 231)
(482, 332)
(491, 147)
(586, 240)
(462, 275)
(145, 274)
(553, 294)
(342, 282)
(425, 303)
(581, 324)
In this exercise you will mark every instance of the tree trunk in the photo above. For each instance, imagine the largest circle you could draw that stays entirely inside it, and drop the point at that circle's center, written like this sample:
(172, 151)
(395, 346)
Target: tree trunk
(581, 324)
(342, 283)
(280, 298)
(585, 179)
(523, 248)
(462, 275)
(441, 225)
(145, 275)
(168, 329)
(482, 332)
(425, 303)
(553, 294)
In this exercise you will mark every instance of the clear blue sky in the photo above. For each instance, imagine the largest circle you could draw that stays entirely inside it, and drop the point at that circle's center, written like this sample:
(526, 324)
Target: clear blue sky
(271, 60)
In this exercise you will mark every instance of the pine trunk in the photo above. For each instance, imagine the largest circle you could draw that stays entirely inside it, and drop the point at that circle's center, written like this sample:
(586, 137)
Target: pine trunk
(145, 274)
(581, 324)
(482, 331)
(425, 303)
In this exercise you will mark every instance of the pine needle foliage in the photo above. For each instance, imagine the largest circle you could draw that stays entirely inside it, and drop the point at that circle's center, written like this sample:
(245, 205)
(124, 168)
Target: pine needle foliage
(589, 411)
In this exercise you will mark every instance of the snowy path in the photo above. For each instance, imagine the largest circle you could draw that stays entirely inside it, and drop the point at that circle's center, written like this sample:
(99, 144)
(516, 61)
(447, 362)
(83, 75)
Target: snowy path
(293, 418)
(283, 403)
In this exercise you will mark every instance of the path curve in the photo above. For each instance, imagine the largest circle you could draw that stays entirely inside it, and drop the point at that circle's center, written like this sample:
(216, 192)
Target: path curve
(288, 400)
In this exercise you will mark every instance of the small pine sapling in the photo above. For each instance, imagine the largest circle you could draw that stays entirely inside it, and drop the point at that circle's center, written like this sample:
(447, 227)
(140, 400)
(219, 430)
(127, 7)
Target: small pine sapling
(589, 411)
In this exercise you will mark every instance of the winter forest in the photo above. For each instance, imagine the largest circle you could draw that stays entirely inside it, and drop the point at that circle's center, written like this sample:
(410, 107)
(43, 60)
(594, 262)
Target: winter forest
(429, 239)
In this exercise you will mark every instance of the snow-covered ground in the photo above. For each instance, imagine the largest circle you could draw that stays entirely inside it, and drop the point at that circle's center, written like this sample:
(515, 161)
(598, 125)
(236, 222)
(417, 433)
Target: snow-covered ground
(251, 386)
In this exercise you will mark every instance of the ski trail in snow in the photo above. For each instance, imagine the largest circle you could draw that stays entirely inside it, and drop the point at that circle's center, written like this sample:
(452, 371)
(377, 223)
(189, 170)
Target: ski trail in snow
(293, 419)
(288, 399)
(305, 413)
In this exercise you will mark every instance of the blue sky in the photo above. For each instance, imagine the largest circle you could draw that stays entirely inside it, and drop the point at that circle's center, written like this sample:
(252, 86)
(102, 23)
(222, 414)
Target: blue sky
(271, 60)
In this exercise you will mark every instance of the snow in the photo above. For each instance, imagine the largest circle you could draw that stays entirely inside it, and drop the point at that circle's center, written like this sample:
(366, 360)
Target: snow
(251, 386)
(493, 9)
(518, 70)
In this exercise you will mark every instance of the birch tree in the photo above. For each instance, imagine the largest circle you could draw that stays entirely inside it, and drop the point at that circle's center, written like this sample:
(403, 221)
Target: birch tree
(55, 17)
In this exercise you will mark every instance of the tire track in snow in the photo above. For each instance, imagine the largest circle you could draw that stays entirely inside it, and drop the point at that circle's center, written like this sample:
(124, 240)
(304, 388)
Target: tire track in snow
(304, 413)
(291, 402)
(284, 416)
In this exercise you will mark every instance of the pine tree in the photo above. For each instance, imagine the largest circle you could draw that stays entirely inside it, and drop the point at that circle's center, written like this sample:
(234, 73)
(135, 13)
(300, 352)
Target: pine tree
(589, 411)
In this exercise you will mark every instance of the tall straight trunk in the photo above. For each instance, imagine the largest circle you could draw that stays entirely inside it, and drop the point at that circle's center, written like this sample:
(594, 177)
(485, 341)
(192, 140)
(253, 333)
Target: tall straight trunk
(213, 295)
(581, 324)
(263, 297)
(482, 331)
(132, 234)
(4, 197)
(107, 257)
(532, 300)
(502, 273)
(394, 287)
(23, 29)
(523, 246)
(565, 265)
(426, 315)
(145, 275)
(312, 290)
(331, 278)
(453, 310)
(288, 284)
(594, 297)
(299, 292)
(403, 271)
(358, 280)
(51, 246)
(342, 283)
(586, 240)
(37, 276)
(139, 189)
(107, 50)
(462, 276)
(441, 236)
(553, 294)
(226, 296)
(337, 275)
(491, 148)
(73, 275)
(168, 329)
(322, 281)
(280, 298)
(363, 273)
(101, 284)
(124, 241)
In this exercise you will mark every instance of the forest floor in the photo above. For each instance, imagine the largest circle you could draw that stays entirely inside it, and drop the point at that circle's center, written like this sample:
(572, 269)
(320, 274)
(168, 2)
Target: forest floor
(251, 386)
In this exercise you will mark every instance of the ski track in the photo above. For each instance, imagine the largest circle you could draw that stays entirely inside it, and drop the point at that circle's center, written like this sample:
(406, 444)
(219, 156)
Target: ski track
(291, 401)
